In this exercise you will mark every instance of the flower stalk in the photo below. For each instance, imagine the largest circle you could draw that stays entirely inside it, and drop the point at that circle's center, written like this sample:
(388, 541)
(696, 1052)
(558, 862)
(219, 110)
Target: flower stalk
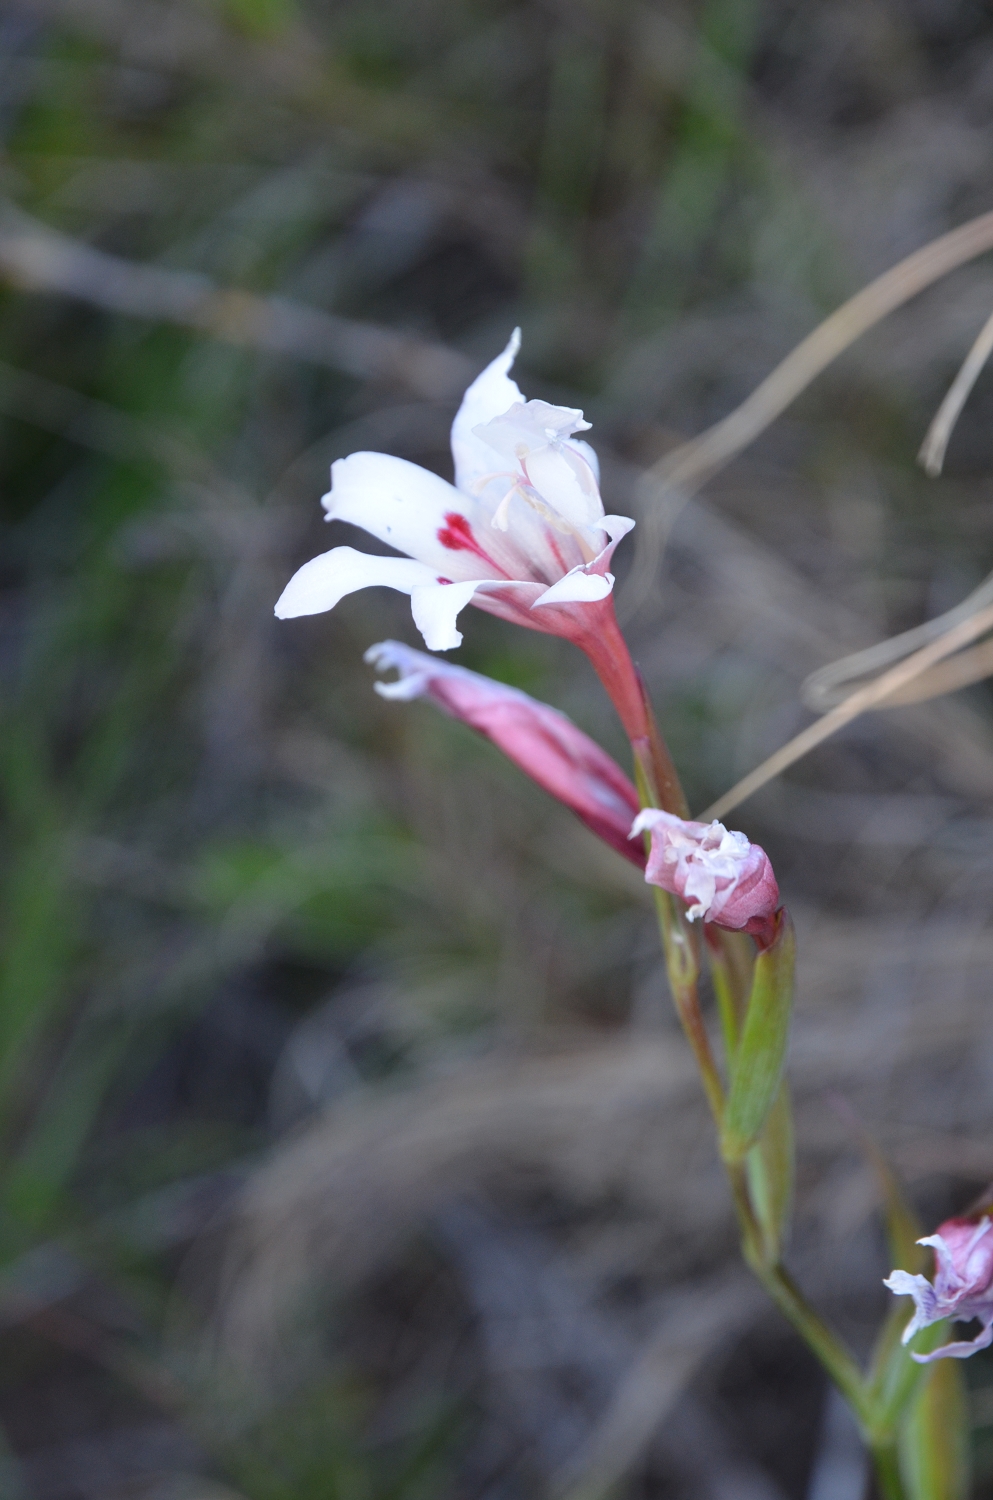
(681, 950)
(754, 998)
(522, 534)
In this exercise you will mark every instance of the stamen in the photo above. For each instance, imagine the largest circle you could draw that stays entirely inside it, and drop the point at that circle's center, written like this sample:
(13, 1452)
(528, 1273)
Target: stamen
(501, 516)
(553, 517)
(528, 493)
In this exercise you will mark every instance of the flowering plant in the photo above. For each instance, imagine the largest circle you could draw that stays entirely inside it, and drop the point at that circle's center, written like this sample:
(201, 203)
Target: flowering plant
(522, 534)
(962, 1290)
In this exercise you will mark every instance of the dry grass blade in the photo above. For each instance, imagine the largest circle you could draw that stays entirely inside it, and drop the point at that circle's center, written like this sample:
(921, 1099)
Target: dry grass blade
(965, 668)
(666, 487)
(38, 259)
(885, 688)
(689, 465)
(932, 454)
(831, 684)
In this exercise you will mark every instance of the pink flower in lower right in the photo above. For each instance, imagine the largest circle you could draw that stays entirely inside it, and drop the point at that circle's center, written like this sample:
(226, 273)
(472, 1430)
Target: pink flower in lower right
(962, 1289)
(723, 877)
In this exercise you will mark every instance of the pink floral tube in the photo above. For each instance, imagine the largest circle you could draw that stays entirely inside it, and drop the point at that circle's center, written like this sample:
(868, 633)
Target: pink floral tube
(540, 740)
(722, 877)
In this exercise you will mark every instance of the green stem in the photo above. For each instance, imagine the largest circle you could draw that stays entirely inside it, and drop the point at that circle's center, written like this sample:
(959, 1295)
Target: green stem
(888, 1477)
(683, 968)
(658, 785)
(787, 1296)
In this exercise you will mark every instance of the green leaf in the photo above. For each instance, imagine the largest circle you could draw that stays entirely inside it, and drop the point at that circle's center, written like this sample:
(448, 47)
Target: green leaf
(732, 965)
(769, 1165)
(934, 1438)
(758, 1063)
(894, 1376)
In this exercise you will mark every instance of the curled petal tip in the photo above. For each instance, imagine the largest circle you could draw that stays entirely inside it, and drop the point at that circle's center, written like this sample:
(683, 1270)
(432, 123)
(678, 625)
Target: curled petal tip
(577, 587)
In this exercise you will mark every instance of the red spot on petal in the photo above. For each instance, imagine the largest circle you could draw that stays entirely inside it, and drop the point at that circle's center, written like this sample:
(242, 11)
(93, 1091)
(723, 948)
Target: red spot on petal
(457, 536)
(443, 580)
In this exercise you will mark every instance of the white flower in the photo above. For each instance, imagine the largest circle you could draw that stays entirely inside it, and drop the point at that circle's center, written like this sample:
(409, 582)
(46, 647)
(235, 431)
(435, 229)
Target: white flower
(521, 533)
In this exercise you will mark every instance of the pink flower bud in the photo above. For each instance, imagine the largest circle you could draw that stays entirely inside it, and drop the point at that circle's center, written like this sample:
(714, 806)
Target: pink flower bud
(962, 1289)
(543, 742)
(723, 877)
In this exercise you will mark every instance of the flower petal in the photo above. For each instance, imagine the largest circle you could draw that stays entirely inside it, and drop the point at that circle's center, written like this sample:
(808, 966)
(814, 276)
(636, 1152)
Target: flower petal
(615, 526)
(903, 1284)
(320, 583)
(729, 880)
(490, 394)
(409, 508)
(589, 453)
(546, 745)
(536, 438)
(577, 587)
(435, 607)
(530, 425)
(961, 1349)
(566, 482)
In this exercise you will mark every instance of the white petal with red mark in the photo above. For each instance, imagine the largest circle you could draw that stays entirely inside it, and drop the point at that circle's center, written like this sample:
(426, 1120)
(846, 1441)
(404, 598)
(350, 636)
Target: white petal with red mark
(320, 583)
(491, 393)
(435, 608)
(418, 512)
(402, 504)
(577, 587)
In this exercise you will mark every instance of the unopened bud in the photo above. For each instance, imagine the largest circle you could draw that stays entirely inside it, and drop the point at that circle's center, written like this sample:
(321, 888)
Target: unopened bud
(722, 877)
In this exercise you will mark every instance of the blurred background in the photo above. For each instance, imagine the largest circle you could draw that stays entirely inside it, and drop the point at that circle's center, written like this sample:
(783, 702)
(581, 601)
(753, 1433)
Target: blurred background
(350, 1149)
